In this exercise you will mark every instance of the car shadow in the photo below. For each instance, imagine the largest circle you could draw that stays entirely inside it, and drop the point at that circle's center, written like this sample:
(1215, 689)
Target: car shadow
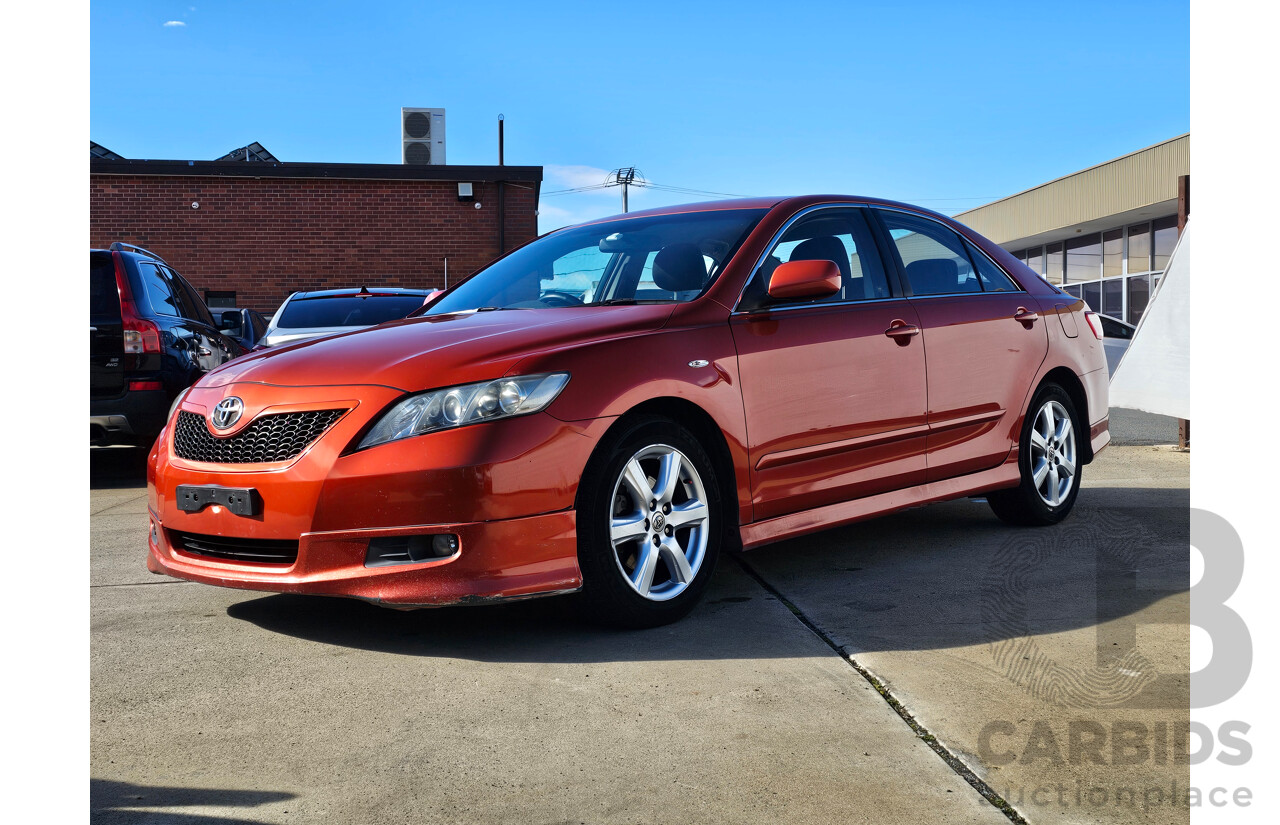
(112, 801)
(948, 575)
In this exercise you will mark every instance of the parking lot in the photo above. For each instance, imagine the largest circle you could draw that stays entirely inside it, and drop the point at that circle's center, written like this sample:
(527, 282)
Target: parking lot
(930, 666)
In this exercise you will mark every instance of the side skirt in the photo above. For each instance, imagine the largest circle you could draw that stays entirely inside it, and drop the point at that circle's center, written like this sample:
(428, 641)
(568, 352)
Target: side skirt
(847, 512)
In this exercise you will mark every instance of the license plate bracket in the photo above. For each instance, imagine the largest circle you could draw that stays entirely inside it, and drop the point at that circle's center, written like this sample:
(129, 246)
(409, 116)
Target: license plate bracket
(243, 501)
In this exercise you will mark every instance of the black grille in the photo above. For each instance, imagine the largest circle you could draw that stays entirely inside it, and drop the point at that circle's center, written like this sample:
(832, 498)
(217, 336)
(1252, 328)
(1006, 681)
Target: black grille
(262, 551)
(269, 438)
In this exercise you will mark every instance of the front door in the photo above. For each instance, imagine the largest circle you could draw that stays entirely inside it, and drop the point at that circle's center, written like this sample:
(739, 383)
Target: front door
(835, 407)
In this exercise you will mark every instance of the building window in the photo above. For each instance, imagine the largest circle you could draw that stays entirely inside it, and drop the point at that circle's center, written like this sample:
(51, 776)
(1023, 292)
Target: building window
(1139, 294)
(1140, 248)
(1035, 259)
(1053, 258)
(1113, 299)
(1113, 253)
(1084, 257)
(1093, 295)
(1165, 238)
(220, 299)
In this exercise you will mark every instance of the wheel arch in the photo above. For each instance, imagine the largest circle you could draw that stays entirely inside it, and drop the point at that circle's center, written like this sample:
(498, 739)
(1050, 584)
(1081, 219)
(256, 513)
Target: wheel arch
(707, 431)
(1071, 384)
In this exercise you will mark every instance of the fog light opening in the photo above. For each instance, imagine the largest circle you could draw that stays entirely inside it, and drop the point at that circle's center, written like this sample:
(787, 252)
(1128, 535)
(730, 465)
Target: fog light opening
(393, 550)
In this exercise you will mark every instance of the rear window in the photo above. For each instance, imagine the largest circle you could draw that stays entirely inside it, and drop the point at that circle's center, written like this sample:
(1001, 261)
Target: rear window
(104, 297)
(347, 311)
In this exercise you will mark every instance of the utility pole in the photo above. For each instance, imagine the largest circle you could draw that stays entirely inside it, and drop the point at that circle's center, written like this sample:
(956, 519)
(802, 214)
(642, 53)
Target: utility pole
(624, 178)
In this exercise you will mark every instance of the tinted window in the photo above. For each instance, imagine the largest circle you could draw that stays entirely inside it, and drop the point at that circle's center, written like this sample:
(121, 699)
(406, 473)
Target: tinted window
(992, 277)
(837, 235)
(159, 292)
(932, 256)
(104, 296)
(191, 305)
(347, 311)
(1112, 328)
(1165, 238)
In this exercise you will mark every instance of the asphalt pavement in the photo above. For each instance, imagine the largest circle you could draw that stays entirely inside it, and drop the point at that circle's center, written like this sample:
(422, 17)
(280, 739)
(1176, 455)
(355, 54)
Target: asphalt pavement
(930, 666)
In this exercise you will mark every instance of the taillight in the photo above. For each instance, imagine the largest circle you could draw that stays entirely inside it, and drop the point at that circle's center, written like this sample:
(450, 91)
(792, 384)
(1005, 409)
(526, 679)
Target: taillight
(140, 335)
(140, 386)
(1095, 323)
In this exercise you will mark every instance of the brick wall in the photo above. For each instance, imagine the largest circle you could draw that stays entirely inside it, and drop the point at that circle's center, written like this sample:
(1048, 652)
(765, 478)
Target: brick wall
(265, 238)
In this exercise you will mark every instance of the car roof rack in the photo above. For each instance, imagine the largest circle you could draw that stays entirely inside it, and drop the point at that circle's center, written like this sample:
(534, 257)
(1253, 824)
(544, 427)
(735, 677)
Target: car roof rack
(121, 247)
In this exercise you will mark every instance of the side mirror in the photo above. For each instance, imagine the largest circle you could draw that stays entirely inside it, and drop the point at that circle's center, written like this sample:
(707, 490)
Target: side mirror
(231, 321)
(804, 279)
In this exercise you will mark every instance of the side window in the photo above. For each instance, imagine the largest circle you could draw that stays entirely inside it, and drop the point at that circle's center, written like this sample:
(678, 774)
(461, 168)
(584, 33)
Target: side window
(992, 277)
(191, 305)
(158, 289)
(932, 256)
(840, 235)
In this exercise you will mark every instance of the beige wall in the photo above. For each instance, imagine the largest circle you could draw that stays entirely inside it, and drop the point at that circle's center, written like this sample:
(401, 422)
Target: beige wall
(1148, 176)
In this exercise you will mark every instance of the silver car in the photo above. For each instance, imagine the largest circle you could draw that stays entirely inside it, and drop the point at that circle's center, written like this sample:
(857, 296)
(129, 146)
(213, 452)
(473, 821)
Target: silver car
(306, 315)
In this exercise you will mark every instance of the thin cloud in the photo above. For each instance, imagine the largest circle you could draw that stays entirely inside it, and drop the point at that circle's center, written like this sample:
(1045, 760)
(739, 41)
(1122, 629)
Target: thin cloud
(574, 177)
(171, 23)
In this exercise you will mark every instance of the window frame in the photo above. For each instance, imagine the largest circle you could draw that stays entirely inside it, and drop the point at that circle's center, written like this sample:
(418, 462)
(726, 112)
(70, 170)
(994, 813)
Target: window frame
(965, 243)
(895, 283)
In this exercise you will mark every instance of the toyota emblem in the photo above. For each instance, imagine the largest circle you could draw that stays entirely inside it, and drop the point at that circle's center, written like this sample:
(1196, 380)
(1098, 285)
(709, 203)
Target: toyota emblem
(227, 413)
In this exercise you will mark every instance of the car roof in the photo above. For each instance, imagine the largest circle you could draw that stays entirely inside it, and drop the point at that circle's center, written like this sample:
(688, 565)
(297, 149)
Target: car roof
(378, 291)
(787, 202)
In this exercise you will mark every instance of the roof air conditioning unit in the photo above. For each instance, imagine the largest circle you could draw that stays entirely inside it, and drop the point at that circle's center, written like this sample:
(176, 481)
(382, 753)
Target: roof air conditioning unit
(422, 137)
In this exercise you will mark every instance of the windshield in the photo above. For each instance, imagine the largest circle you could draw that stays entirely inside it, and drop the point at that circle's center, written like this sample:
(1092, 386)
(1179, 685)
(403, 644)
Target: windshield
(347, 310)
(657, 259)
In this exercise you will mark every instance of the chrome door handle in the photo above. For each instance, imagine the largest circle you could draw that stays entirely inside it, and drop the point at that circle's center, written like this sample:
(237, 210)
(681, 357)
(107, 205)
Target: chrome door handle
(1026, 316)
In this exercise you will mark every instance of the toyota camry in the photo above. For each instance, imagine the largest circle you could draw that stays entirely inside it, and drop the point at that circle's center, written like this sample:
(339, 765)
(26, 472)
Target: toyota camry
(606, 409)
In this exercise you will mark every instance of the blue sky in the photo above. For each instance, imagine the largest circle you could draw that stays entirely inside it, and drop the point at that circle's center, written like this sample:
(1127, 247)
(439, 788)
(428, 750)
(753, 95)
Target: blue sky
(945, 104)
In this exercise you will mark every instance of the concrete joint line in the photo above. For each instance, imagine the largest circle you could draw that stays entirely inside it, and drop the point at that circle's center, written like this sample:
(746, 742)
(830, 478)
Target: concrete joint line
(954, 762)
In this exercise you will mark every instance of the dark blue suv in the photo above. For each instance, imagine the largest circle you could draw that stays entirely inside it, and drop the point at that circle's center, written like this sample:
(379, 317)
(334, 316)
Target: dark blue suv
(150, 337)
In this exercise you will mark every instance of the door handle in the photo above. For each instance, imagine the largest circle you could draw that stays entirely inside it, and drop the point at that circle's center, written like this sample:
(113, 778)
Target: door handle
(1026, 316)
(901, 331)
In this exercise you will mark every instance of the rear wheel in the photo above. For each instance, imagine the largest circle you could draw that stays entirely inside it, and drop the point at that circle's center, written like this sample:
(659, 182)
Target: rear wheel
(1049, 463)
(649, 527)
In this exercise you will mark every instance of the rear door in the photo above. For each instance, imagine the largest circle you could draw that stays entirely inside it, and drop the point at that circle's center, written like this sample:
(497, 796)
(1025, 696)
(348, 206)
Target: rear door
(106, 330)
(983, 342)
(835, 407)
(212, 348)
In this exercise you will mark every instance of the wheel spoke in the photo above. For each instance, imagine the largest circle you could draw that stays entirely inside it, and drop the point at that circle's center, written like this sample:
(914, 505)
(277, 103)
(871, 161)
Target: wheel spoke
(1053, 486)
(638, 482)
(691, 512)
(627, 528)
(668, 477)
(1063, 427)
(1045, 420)
(642, 576)
(1066, 467)
(1038, 440)
(1041, 470)
(677, 564)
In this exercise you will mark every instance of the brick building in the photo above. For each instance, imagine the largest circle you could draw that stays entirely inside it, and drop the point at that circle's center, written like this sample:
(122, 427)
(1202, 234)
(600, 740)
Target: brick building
(249, 232)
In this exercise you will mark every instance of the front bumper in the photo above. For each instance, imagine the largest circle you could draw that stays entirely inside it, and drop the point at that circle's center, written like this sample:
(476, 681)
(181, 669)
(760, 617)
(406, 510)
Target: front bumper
(505, 488)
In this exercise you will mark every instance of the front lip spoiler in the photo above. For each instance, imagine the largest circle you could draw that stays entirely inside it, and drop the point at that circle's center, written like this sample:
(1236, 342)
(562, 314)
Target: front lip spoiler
(469, 601)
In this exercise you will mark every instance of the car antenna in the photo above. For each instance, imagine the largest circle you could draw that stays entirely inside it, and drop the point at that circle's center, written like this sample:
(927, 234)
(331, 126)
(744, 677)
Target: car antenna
(364, 292)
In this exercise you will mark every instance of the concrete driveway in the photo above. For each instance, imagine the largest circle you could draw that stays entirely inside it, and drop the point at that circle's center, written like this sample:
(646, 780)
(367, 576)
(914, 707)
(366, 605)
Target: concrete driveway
(932, 666)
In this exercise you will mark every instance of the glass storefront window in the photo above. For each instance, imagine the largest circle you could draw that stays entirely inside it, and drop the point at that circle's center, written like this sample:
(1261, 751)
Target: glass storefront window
(1092, 294)
(1140, 248)
(1113, 253)
(1139, 293)
(1053, 258)
(1035, 259)
(1084, 258)
(1166, 237)
(1113, 299)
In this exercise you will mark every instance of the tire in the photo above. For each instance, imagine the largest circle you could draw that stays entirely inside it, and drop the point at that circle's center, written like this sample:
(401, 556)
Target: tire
(1049, 452)
(628, 580)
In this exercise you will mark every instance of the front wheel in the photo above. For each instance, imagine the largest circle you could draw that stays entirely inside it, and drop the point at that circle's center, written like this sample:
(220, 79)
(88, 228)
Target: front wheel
(1049, 463)
(649, 526)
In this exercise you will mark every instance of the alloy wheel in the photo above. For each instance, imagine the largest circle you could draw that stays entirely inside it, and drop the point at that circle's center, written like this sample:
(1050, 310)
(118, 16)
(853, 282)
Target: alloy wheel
(1053, 453)
(659, 522)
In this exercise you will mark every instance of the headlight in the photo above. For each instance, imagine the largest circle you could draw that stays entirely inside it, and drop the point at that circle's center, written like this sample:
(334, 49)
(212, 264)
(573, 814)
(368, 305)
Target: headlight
(177, 402)
(451, 407)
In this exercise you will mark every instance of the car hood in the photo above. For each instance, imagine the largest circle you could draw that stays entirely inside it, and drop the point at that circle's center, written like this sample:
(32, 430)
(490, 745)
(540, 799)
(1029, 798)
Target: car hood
(436, 350)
